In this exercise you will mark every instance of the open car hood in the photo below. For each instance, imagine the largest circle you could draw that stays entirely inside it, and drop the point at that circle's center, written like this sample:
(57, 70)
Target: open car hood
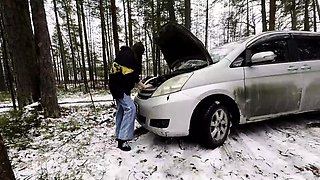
(178, 44)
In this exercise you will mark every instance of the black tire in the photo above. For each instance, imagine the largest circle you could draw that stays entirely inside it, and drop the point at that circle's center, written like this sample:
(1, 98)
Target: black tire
(216, 118)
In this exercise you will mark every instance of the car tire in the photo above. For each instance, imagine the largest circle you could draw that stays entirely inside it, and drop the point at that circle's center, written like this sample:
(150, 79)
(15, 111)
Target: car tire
(215, 126)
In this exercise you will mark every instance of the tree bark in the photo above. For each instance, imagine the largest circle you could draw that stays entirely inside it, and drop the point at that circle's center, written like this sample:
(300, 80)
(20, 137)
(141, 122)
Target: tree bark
(103, 29)
(47, 81)
(154, 60)
(61, 48)
(2, 79)
(108, 38)
(172, 15)
(187, 14)
(6, 172)
(6, 64)
(272, 15)
(146, 45)
(21, 44)
(67, 10)
(264, 16)
(54, 65)
(314, 15)
(158, 23)
(84, 71)
(293, 15)
(115, 26)
(207, 24)
(125, 21)
(248, 21)
(318, 8)
(306, 16)
(90, 65)
(130, 23)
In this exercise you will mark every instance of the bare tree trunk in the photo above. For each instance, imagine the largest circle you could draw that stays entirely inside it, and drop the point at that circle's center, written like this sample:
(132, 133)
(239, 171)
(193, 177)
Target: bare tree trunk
(61, 48)
(67, 10)
(48, 85)
(264, 16)
(54, 65)
(154, 63)
(115, 26)
(306, 16)
(103, 29)
(314, 16)
(108, 38)
(2, 79)
(272, 15)
(21, 43)
(187, 14)
(207, 24)
(248, 20)
(293, 13)
(146, 47)
(6, 65)
(158, 27)
(125, 21)
(87, 44)
(130, 23)
(84, 71)
(172, 15)
(318, 8)
(6, 172)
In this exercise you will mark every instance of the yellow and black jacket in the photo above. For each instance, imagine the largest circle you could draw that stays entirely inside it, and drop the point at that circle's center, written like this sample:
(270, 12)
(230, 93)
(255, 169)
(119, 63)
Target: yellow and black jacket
(124, 73)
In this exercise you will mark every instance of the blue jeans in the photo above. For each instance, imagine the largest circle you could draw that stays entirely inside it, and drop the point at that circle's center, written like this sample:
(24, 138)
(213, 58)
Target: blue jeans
(125, 117)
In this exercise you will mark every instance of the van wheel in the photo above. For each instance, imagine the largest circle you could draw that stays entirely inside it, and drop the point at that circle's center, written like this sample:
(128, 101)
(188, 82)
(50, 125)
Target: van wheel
(215, 126)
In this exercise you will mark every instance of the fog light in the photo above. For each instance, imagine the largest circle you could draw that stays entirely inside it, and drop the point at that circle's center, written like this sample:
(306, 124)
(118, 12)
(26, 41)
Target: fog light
(159, 123)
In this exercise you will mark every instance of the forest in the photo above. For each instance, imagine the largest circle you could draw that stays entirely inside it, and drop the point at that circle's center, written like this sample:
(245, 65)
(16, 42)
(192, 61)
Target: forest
(49, 46)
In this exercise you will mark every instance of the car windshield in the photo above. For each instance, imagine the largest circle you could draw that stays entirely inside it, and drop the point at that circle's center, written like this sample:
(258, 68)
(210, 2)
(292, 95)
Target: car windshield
(220, 52)
(190, 64)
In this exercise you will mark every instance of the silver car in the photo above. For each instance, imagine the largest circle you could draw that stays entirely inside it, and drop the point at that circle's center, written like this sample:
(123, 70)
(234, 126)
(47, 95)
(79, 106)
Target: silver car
(254, 79)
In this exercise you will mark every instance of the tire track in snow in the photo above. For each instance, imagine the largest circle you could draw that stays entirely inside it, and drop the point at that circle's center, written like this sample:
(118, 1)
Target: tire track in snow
(247, 164)
(261, 152)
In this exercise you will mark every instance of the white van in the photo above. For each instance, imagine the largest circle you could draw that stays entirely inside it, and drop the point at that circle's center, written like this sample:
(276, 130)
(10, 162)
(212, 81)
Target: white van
(257, 78)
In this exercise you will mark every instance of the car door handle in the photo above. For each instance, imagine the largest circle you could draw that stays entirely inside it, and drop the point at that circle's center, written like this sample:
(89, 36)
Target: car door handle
(305, 67)
(292, 68)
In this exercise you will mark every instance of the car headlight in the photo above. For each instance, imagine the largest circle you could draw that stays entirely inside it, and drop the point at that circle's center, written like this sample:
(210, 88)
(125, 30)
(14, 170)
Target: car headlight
(172, 85)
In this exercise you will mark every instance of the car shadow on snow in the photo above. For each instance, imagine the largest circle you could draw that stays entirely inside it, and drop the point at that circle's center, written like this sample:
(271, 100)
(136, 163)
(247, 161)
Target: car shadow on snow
(305, 120)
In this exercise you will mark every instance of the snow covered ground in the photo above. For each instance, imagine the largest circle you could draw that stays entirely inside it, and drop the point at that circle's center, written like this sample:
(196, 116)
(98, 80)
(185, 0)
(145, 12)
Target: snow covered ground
(81, 145)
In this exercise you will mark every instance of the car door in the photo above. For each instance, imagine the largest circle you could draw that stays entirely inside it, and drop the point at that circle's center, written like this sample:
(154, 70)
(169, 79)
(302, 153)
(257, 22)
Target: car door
(272, 87)
(308, 54)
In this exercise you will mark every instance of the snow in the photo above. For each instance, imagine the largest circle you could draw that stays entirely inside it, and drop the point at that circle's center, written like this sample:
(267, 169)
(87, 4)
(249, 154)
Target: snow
(81, 145)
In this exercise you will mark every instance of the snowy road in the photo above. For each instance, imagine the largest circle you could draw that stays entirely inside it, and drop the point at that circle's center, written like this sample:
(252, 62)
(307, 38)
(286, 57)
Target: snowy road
(284, 148)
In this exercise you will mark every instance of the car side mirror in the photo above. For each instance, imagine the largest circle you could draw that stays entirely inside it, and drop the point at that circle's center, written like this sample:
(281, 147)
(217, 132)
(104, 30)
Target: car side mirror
(263, 57)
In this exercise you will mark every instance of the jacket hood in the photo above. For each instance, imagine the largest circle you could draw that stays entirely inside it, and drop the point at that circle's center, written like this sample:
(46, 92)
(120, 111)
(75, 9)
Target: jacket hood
(178, 44)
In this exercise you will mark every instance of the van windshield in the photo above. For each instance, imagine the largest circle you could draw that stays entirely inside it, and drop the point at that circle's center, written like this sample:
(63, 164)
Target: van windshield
(220, 52)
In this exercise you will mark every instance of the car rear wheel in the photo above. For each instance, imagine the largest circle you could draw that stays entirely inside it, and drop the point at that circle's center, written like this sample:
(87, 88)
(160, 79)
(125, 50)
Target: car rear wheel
(215, 126)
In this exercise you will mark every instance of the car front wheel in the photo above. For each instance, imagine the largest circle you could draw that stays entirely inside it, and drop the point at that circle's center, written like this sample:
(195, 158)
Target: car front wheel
(215, 125)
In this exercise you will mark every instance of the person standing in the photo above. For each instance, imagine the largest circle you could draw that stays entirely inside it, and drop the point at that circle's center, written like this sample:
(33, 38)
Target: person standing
(124, 74)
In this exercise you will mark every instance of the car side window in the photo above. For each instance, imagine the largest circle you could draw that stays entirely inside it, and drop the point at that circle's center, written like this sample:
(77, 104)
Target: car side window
(308, 49)
(239, 61)
(278, 47)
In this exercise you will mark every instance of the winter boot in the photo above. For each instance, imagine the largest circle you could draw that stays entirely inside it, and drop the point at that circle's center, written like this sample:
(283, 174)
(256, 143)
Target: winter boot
(123, 145)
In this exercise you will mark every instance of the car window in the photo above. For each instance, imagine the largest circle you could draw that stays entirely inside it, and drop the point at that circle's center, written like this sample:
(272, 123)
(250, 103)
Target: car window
(220, 52)
(278, 47)
(308, 49)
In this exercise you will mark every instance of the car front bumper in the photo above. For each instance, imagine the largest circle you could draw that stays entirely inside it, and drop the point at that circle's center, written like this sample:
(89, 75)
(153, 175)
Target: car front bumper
(167, 115)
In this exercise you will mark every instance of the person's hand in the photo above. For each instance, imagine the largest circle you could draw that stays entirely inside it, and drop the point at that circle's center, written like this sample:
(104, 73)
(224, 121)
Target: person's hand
(143, 86)
(147, 86)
